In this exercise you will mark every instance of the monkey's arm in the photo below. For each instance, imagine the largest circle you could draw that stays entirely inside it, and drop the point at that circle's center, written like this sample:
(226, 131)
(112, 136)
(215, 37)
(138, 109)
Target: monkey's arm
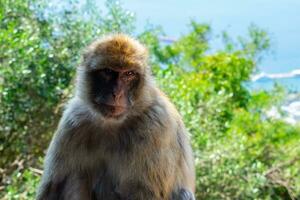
(60, 179)
(186, 182)
(71, 186)
(53, 179)
(55, 173)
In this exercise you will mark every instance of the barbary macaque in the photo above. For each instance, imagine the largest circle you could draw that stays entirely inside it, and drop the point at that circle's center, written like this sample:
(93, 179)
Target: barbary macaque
(120, 137)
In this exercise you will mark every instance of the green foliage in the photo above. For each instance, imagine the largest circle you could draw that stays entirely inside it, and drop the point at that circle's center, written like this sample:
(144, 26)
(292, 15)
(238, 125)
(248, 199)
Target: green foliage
(38, 57)
(240, 153)
(22, 185)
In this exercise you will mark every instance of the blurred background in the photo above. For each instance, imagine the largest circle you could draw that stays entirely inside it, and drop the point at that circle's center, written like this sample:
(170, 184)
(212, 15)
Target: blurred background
(232, 68)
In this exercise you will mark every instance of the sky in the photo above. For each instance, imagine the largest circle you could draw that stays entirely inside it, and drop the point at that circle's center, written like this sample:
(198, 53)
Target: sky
(281, 19)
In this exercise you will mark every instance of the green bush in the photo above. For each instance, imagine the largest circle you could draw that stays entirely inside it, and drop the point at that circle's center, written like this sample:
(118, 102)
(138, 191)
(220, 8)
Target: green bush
(240, 153)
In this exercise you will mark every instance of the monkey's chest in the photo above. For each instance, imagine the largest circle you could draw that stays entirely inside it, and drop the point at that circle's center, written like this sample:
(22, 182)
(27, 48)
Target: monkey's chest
(145, 171)
(133, 165)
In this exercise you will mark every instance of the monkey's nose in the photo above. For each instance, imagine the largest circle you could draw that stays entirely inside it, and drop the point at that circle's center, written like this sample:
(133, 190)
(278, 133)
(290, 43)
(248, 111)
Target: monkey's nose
(117, 95)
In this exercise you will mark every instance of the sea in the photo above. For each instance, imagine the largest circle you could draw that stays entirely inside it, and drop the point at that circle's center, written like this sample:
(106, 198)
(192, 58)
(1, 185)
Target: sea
(290, 80)
(289, 111)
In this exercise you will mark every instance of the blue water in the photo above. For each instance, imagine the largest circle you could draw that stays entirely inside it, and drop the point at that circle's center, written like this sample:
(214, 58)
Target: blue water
(291, 84)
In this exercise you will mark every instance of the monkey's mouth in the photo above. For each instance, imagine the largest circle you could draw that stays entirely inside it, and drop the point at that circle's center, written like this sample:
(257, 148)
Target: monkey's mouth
(112, 111)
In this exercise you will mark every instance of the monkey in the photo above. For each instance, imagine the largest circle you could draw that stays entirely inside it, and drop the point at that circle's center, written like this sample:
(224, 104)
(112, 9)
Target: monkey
(120, 137)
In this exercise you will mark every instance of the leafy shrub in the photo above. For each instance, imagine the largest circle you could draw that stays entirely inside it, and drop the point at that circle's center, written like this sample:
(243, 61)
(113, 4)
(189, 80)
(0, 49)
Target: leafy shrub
(240, 153)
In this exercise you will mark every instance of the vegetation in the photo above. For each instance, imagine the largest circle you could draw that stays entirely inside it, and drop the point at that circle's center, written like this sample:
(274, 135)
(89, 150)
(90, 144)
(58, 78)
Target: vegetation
(240, 153)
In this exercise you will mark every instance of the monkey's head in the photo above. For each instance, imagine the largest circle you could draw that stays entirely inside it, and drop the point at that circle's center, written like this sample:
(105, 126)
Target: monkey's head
(113, 76)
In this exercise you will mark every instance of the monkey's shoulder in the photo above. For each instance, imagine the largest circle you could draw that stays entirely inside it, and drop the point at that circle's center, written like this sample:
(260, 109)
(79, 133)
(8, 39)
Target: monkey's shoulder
(77, 112)
(175, 121)
(75, 122)
(168, 110)
(161, 119)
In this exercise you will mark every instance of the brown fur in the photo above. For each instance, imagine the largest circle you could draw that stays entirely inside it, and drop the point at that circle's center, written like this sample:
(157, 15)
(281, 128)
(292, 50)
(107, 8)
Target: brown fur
(144, 155)
(118, 51)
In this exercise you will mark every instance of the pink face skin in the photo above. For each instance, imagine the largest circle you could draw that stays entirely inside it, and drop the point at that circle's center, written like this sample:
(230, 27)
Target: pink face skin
(112, 90)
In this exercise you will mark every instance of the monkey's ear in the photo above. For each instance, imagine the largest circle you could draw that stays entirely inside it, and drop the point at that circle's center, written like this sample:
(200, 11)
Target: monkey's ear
(86, 55)
(90, 60)
(88, 52)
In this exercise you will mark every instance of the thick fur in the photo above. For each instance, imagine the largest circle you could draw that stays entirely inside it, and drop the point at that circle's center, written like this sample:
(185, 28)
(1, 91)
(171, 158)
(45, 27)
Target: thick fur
(143, 155)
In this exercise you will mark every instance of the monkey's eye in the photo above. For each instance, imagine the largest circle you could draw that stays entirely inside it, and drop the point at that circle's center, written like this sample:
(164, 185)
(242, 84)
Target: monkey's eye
(130, 73)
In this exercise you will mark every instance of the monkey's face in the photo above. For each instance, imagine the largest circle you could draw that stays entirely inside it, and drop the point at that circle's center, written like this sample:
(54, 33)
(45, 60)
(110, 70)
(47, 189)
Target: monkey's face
(114, 75)
(112, 90)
